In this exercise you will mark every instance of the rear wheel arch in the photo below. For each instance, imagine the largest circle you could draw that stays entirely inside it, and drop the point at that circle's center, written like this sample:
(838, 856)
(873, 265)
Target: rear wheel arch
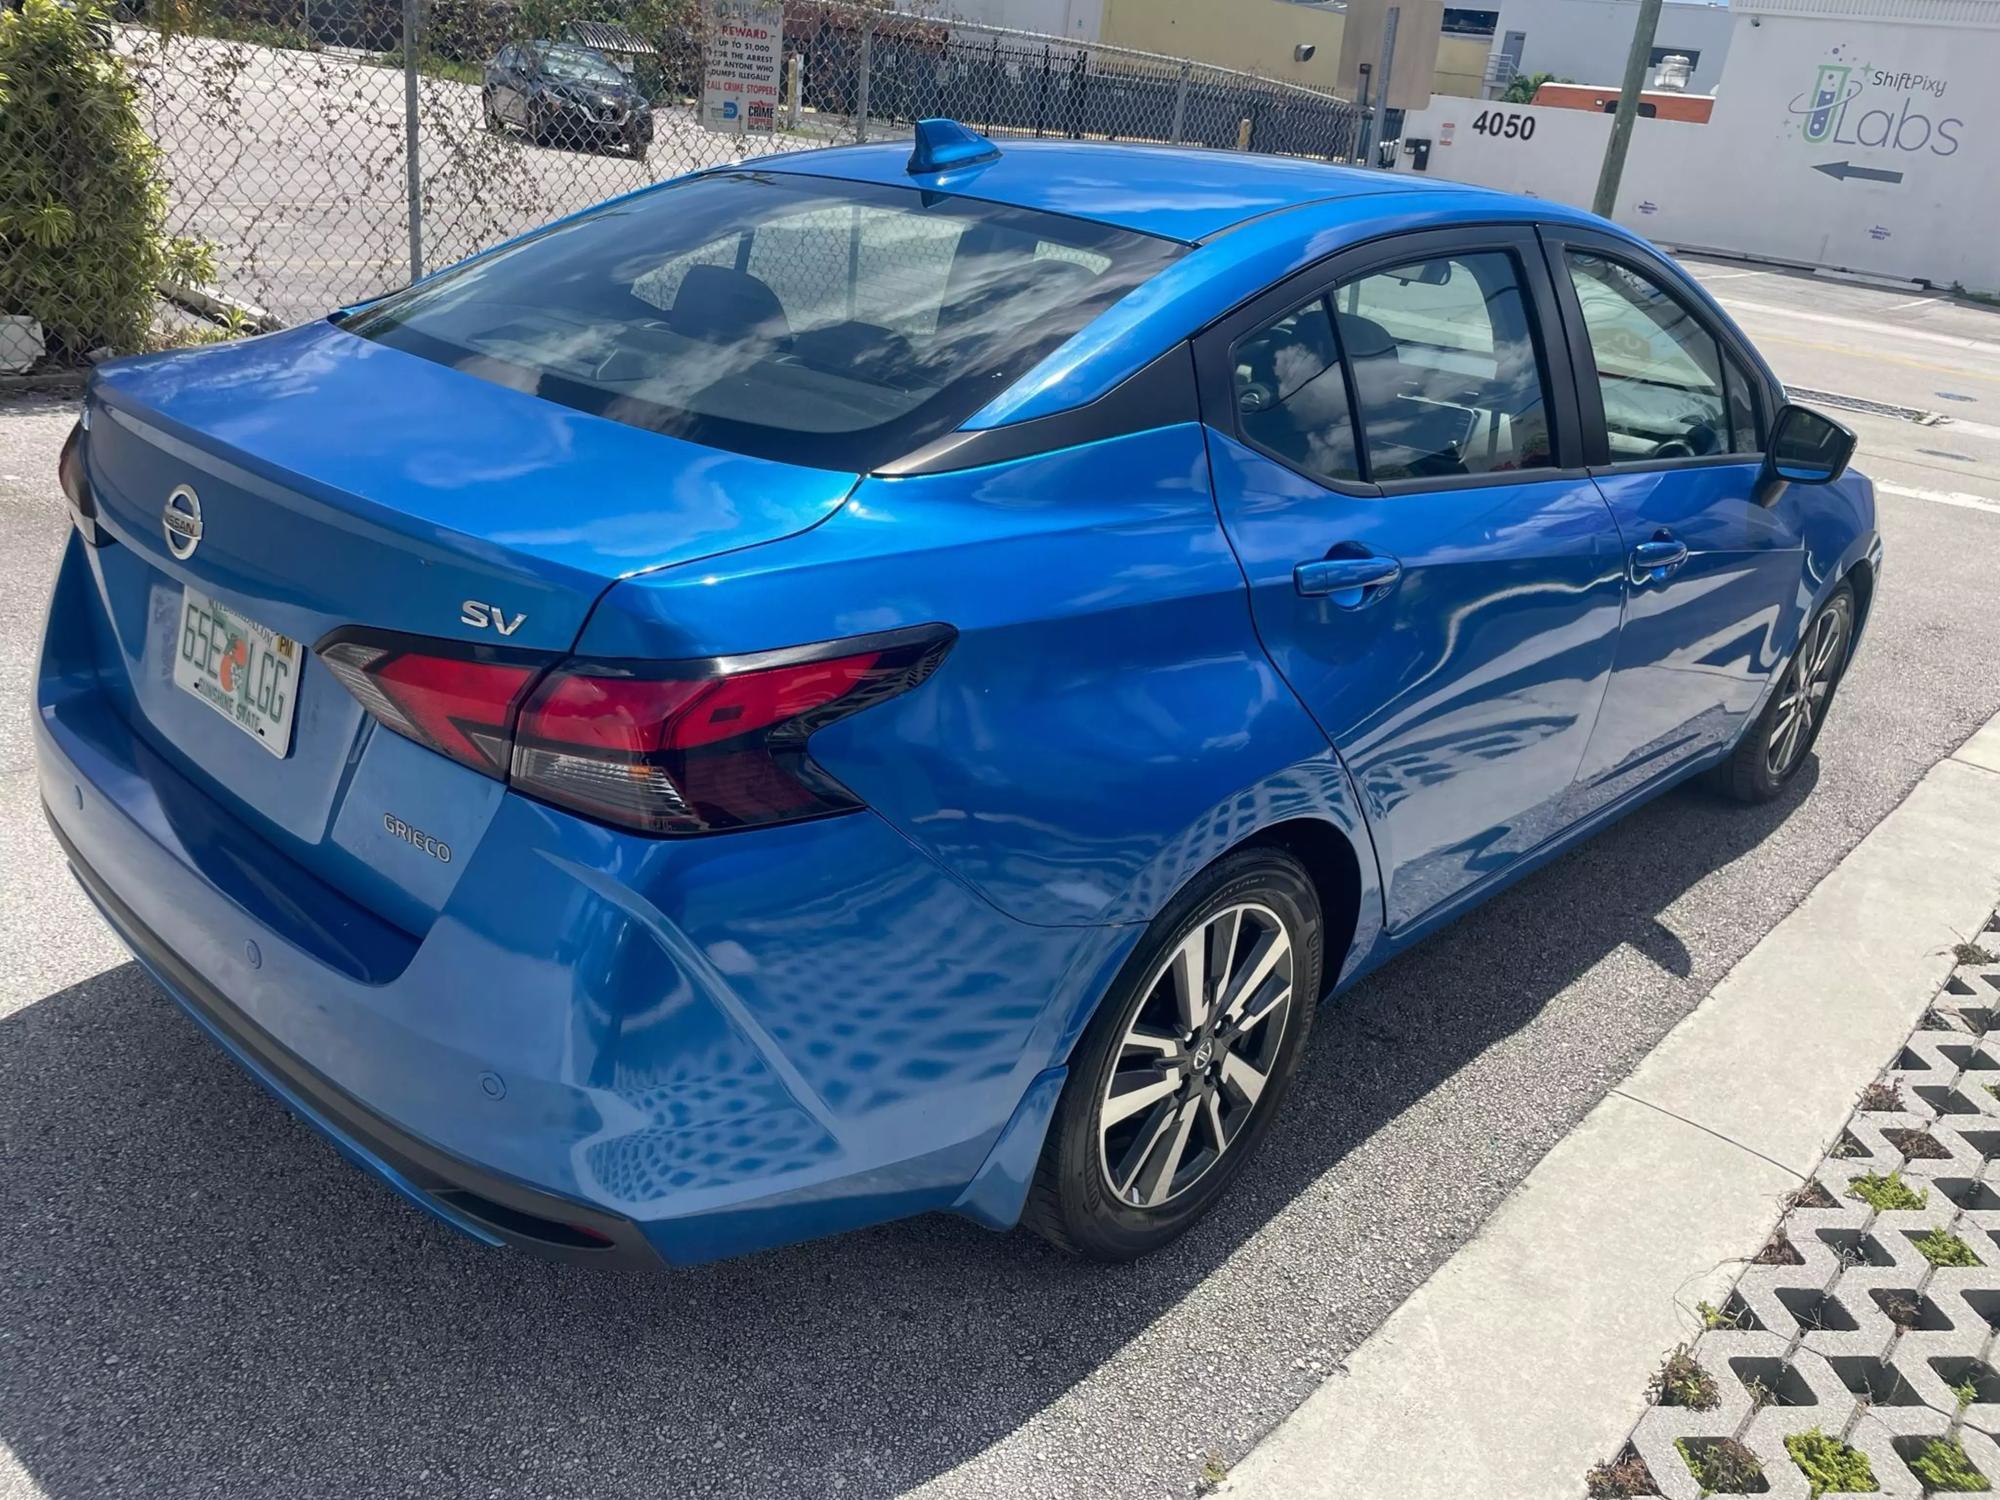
(1333, 863)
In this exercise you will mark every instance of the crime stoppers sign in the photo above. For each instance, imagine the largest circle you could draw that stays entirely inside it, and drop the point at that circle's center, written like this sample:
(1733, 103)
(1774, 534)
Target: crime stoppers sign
(740, 77)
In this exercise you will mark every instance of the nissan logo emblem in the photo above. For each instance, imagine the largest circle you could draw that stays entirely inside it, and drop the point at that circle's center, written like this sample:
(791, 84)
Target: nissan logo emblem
(181, 521)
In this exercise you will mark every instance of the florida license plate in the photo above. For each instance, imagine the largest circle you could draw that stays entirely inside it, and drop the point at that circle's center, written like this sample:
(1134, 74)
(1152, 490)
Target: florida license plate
(246, 672)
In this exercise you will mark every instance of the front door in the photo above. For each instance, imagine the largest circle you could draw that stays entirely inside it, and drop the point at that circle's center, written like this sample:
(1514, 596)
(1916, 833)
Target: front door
(1674, 414)
(1394, 445)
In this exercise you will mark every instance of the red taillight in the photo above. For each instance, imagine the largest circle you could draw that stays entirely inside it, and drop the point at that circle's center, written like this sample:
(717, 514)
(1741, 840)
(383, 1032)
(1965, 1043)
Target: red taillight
(459, 701)
(676, 748)
(701, 747)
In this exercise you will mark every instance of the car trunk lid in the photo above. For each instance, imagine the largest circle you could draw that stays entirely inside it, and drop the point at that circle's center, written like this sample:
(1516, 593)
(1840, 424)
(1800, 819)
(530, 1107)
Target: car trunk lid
(344, 484)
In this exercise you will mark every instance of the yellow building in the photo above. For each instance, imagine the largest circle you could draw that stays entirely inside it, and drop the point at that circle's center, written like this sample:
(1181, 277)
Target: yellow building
(1254, 36)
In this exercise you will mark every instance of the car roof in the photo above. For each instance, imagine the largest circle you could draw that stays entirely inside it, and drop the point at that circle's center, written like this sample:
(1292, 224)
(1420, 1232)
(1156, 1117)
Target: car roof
(1185, 193)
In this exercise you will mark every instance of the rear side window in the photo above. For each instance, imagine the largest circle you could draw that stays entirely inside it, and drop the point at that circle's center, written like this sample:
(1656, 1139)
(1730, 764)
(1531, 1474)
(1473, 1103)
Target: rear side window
(1445, 371)
(1441, 378)
(1659, 369)
(833, 324)
(1291, 397)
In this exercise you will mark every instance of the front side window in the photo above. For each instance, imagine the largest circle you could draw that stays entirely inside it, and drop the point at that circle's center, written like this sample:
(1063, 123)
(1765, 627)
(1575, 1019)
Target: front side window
(833, 324)
(1659, 370)
(1446, 377)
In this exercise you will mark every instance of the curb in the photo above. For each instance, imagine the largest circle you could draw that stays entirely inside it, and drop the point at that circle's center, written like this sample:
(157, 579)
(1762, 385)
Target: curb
(1524, 1359)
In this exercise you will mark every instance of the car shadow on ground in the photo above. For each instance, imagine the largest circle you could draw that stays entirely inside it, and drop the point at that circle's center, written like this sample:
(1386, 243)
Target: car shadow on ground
(201, 1297)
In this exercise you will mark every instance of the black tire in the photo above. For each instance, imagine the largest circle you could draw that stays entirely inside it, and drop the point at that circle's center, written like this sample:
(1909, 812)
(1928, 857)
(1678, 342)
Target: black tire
(1762, 763)
(1073, 1202)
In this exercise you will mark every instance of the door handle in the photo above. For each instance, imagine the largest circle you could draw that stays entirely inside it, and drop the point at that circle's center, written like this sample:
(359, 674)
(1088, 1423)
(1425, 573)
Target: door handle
(1342, 575)
(1654, 560)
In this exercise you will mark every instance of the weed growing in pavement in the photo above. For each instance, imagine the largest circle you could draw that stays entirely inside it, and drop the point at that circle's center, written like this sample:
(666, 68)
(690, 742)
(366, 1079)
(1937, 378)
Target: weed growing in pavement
(1884, 1194)
(1900, 1308)
(1778, 1251)
(1881, 1098)
(1966, 1392)
(1810, 1194)
(1214, 1469)
(1944, 1468)
(1847, 1147)
(1761, 1395)
(1917, 1145)
(1829, 1464)
(1732, 1314)
(1621, 1479)
(1943, 1248)
(1682, 1382)
(1933, 1019)
(1722, 1464)
(1972, 953)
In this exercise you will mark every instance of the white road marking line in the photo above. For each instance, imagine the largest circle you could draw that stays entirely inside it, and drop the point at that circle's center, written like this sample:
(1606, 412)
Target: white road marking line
(1835, 320)
(1940, 497)
(1971, 429)
(1728, 275)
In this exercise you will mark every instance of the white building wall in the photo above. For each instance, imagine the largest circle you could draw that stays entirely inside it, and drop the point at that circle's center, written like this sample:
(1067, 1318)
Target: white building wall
(1586, 40)
(1896, 177)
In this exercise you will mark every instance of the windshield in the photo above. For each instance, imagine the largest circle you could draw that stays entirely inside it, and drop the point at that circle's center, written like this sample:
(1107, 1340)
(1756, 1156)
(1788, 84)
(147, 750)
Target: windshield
(581, 66)
(833, 324)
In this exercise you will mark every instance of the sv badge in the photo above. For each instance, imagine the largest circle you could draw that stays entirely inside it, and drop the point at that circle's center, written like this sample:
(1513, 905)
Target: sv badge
(480, 616)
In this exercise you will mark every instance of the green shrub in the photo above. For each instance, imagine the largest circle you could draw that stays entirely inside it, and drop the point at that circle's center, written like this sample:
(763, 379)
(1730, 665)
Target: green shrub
(83, 241)
(1829, 1464)
(1885, 1193)
(1944, 1468)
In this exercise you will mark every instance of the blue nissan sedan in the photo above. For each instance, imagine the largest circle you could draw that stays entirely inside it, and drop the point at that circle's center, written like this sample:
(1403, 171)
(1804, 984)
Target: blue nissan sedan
(879, 681)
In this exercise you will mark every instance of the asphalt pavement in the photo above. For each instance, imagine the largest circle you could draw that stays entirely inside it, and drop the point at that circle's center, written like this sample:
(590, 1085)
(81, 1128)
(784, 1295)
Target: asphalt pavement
(200, 1298)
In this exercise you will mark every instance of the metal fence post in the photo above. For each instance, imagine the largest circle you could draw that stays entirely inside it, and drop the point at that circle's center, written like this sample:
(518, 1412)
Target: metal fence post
(1385, 74)
(1180, 103)
(861, 78)
(410, 157)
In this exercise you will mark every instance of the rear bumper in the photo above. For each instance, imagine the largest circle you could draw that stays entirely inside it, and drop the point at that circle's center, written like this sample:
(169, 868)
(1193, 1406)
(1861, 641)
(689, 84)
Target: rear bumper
(487, 1207)
(690, 1048)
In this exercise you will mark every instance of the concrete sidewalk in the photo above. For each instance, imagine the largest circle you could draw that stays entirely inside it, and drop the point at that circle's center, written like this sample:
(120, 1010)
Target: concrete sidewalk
(1524, 1359)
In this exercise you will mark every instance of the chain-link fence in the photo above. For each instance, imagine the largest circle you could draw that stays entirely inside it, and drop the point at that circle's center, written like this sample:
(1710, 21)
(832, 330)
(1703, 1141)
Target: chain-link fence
(304, 154)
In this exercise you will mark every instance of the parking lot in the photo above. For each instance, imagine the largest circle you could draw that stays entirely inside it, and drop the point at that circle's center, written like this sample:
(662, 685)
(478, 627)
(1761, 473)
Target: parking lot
(199, 1297)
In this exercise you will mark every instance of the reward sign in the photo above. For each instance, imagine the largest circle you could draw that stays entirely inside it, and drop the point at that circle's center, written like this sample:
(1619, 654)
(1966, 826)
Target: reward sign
(740, 82)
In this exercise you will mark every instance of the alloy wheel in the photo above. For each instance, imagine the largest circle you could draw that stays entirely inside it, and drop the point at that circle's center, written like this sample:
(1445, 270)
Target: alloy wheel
(1802, 695)
(1194, 1062)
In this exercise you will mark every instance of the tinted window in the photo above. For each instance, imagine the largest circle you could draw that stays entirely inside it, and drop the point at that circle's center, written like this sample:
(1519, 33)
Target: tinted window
(828, 323)
(1658, 369)
(1291, 399)
(1445, 372)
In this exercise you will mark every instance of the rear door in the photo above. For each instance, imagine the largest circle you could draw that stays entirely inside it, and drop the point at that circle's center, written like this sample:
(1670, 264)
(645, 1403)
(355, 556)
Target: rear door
(1396, 454)
(1674, 412)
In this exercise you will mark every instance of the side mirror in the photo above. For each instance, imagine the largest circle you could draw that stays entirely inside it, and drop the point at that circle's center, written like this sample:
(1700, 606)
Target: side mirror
(1807, 447)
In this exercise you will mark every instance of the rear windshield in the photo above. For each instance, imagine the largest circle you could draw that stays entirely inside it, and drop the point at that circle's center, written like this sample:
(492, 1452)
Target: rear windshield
(834, 324)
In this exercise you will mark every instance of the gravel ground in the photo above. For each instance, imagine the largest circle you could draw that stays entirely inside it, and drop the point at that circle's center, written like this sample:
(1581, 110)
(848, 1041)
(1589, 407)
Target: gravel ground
(198, 1297)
